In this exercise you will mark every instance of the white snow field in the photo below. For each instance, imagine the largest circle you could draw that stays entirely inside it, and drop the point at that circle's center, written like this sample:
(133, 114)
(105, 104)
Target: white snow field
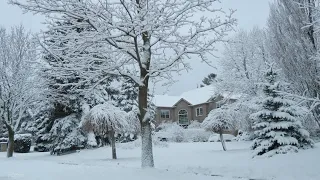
(185, 161)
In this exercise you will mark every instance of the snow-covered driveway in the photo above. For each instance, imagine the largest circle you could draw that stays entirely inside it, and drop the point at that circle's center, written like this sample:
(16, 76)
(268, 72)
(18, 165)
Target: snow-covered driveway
(187, 161)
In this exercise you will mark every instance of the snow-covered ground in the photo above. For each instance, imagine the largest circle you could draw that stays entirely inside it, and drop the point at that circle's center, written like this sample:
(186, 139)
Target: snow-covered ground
(187, 161)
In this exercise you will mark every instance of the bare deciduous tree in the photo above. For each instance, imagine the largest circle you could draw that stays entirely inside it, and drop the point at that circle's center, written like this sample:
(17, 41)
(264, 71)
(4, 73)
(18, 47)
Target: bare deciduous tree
(294, 45)
(17, 79)
(139, 39)
(243, 61)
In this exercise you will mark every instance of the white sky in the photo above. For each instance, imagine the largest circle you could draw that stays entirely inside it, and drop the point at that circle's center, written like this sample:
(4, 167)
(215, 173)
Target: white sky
(249, 13)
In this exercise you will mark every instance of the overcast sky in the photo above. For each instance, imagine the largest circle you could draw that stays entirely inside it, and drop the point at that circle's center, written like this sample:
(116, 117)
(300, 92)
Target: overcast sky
(249, 13)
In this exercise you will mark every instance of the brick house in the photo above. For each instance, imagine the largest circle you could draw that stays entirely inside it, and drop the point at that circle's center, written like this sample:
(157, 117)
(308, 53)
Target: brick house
(191, 105)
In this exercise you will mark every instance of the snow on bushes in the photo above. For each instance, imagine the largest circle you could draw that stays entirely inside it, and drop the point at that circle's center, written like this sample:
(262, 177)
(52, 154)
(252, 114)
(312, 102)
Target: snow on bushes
(43, 143)
(22, 143)
(137, 143)
(66, 135)
(172, 132)
(92, 142)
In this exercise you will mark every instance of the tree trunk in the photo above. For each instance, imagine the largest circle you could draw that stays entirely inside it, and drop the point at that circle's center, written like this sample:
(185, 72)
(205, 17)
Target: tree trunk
(11, 141)
(222, 141)
(146, 148)
(147, 153)
(113, 144)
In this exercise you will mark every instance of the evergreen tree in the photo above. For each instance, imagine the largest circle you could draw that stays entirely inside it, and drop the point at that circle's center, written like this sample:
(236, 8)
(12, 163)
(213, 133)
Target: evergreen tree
(277, 126)
(128, 98)
(66, 135)
(2, 130)
(209, 79)
(68, 93)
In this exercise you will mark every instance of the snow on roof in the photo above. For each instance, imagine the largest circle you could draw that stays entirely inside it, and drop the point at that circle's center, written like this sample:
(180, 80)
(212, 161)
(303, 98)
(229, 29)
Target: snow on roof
(165, 100)
(199, 95)
(195, 96)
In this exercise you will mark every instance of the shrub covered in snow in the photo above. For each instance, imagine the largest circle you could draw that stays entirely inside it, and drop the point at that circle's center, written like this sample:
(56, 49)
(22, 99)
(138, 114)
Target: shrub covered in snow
(41, 128)
(196, 135)
(226, 137)
(172, 132)
(4, 139)
(66, 135)
(43, 143)
(92, 142)
(194, 124)
(245, 136)
(22, 143)
(137, 144)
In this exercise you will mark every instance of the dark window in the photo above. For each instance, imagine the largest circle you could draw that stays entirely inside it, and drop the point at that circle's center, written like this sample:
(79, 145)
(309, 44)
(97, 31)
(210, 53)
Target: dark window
(165, 114)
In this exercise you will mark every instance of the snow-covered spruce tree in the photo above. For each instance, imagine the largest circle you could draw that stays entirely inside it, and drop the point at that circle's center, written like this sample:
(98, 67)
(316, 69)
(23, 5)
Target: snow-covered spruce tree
(278, 128)
(128, 96)
(219, 120)
(106, 119)
(70, 91)
(66, 135)
(41, 126)
(139, 39)
(2, 130)
(18, 80)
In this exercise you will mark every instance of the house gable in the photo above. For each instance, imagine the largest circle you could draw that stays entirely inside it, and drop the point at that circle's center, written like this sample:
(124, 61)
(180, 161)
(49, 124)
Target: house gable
(180, 106)
(189, 104)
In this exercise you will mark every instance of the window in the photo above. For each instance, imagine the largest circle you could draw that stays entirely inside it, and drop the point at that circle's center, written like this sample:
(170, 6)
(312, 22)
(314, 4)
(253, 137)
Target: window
(199, 111)
(183, 117)
(165, 114)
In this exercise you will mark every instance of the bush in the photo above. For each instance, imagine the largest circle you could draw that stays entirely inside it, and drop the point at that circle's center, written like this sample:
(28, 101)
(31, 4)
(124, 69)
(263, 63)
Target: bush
(196, 135)
(245, 136)
(43, 143)
(172, 132)
(22, 143)
(137, 143)
(4, 140)
(92, 142)
(126, 137)
(66, 135)
(194, 124)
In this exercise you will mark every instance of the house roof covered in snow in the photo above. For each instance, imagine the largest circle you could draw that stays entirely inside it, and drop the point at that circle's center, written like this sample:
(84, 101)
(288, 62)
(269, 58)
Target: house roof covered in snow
(165, 100)
(194, 97)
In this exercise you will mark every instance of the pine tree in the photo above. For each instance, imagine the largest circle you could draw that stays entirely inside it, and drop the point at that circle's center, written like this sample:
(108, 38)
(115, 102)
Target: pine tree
(68, 93)
(128, 98)
(66, 135)
(277, 126)
(208, 80)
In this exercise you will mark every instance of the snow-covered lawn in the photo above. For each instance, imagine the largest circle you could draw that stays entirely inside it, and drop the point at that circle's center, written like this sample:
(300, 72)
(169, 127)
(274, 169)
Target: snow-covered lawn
(185, 161)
